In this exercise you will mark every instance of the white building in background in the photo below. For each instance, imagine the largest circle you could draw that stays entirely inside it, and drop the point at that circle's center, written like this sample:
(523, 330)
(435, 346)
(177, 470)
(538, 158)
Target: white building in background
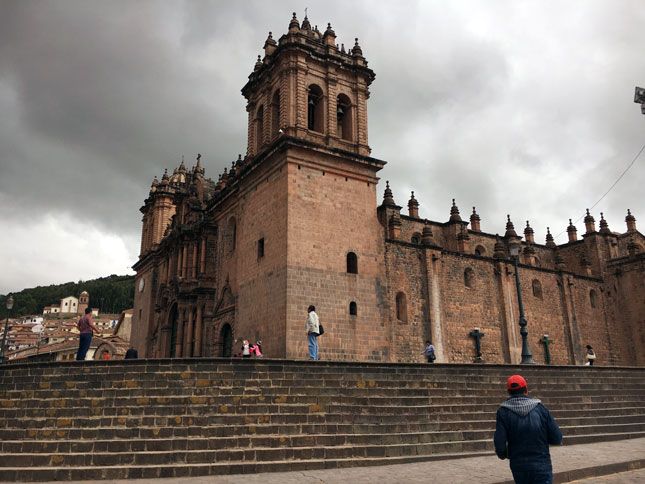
(71, 305)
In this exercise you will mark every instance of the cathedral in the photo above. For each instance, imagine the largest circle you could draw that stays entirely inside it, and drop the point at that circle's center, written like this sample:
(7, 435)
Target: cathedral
(298, 221)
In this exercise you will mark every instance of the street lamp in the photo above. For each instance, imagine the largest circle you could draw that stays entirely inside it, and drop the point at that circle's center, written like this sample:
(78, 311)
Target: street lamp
(9, 304)
(639, 98)
(527, 357)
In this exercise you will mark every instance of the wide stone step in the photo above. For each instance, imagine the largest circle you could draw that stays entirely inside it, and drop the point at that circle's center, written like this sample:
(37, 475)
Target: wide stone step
(169, 464)
(246, 440)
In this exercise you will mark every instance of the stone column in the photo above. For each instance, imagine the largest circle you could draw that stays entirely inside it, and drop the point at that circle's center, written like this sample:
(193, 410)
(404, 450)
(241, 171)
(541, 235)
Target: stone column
(194, 261)
(434, 297)
(202, 258)
(184, 261)
(197, 350)
(180, 334)
(188, 339)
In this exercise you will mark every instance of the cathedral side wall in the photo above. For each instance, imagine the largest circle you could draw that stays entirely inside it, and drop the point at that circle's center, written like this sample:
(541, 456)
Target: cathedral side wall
(410, 328)
(261, 279)
(331, 213)
(466, 308)
(625, 305)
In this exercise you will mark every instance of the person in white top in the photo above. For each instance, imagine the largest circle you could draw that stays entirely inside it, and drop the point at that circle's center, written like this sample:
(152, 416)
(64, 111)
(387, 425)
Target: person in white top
(313, 331)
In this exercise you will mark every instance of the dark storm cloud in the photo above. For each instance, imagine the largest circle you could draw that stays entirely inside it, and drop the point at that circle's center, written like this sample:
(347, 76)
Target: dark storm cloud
(515, 107)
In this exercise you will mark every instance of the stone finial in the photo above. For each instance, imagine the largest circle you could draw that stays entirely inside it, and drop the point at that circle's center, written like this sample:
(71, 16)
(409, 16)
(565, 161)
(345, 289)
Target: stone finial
(198, 169)
(270, 45)
(604, 226)
(590, 223)
(426, 235)
(356, 50)
(474, 221)
(454, 213)
(294, 25)
(305, 24)
(549, 239)
(499, 251)
(572, 232)
(510, 228)
(413, 206)
(529, 233)
(155, 182)
(165, 177)
(224, 176)
(388, 199)
(182, 166)
(329, 37)
(258, 64)
(631, 221)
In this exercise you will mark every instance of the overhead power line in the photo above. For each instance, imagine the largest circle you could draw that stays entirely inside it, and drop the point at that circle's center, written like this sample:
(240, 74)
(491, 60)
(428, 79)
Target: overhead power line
(611, 187)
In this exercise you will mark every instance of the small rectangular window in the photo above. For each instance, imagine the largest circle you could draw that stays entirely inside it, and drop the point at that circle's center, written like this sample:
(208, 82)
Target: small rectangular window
(261, 248)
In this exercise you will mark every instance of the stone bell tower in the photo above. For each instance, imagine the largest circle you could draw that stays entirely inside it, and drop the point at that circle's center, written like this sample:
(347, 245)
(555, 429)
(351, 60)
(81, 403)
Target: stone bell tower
(306, 86)
(307, 135)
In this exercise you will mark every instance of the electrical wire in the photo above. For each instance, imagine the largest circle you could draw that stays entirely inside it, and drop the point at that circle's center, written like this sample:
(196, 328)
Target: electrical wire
(611, 187)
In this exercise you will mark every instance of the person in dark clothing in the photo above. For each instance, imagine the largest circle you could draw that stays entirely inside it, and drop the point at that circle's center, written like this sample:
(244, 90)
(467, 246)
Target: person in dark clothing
(131, 354)
(523, 432)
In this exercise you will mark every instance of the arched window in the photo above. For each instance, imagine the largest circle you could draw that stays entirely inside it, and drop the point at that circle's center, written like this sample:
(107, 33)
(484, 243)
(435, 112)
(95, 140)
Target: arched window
(416, 238)
(344, 117)
(537, 288)
(353, 310)
(259, 128)
(593, 299)
(352, 263)
(469, 277)
(315, 109)
(401, 307)
(480, 250)
(275, 113)
(231, 234)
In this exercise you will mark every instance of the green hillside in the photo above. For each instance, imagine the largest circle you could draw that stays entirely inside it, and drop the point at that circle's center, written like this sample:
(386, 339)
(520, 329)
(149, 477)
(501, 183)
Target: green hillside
(110, 294)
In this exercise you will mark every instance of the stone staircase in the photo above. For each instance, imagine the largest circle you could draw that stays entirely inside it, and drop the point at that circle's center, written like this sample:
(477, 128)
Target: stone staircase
(176, 418)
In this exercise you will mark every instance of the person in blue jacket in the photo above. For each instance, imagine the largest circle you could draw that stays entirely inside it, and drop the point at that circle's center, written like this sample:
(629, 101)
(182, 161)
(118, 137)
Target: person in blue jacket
(523, 432)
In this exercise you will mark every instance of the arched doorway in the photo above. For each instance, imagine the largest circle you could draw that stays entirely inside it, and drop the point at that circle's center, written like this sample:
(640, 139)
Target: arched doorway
(226, 337)
(173, 323)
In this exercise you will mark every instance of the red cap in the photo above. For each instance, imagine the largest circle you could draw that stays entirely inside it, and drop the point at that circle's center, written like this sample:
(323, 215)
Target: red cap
(515, 382)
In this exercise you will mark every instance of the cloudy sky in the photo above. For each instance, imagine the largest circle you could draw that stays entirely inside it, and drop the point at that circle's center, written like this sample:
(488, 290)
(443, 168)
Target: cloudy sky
(513, 106)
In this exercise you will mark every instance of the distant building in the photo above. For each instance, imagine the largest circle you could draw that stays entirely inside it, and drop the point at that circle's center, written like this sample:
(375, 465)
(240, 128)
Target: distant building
(71, 305)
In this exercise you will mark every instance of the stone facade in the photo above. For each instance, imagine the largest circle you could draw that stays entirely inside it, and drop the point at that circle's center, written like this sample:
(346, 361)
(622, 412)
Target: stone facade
(297, 222)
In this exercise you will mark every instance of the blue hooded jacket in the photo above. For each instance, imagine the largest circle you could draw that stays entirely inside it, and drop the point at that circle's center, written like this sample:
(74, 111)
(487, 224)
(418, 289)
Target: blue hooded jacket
(523, 432)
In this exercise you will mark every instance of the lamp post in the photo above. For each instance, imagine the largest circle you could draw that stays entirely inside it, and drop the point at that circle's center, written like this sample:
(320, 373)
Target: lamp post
(639, 98)
(527, 357)
(9, 304)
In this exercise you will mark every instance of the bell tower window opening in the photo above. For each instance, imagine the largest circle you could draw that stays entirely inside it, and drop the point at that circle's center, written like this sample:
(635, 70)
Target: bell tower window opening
(259, 128)
(344, 117)
(315, 109)
(275, 113)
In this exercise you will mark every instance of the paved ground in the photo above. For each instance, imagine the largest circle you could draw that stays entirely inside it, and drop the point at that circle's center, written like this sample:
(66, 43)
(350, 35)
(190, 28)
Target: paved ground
(482, 470)
(632, 477)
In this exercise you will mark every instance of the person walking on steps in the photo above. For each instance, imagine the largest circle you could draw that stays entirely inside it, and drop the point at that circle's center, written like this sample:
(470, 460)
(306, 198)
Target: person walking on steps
(86, 327)
(313, 331)
(591, 356)
(523, 432)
